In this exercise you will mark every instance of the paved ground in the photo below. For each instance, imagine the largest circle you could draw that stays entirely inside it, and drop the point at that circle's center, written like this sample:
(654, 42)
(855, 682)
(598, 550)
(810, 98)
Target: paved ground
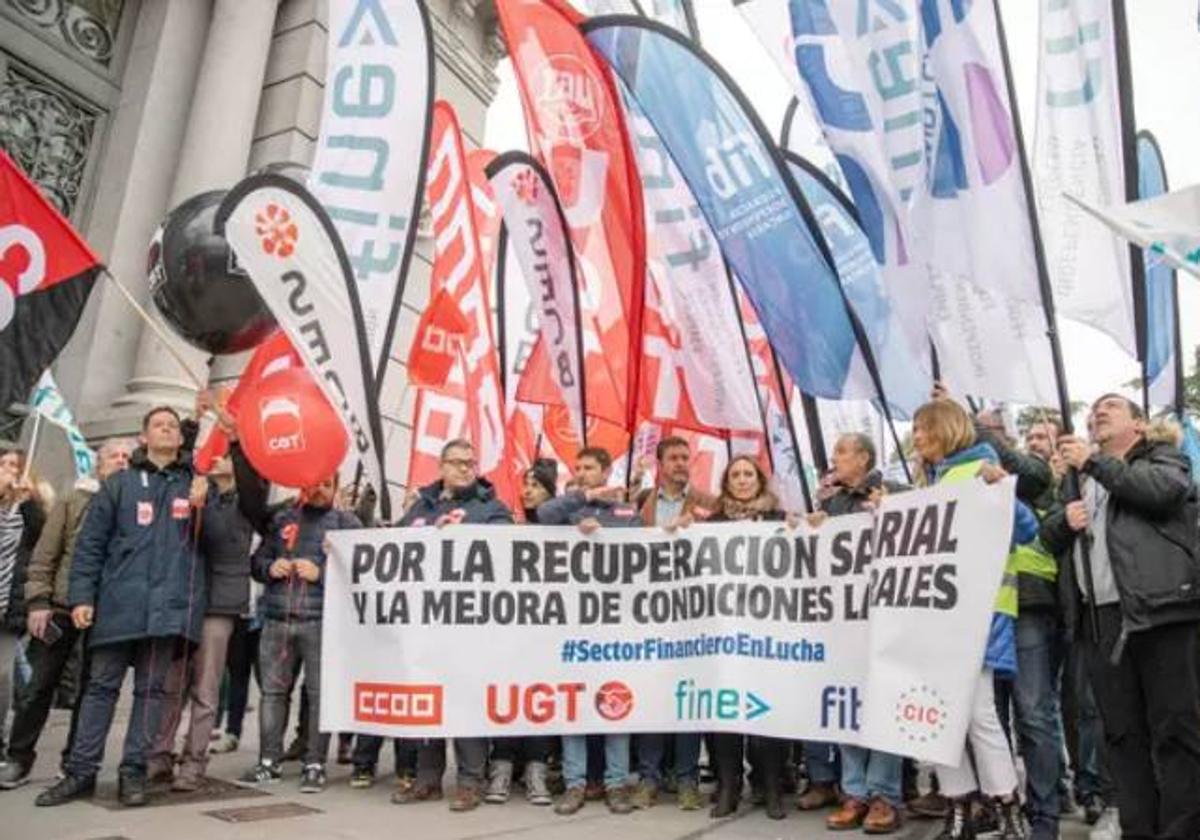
(343, 813)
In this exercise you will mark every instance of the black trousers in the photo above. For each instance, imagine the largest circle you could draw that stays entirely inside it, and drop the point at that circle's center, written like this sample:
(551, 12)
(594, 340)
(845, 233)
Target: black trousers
(1151, 712)
(767, 759)
(48, 663)
(367, 749)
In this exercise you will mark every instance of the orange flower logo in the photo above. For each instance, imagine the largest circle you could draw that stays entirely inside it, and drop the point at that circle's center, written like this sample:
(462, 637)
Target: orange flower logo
(526, 186)
(279, 233)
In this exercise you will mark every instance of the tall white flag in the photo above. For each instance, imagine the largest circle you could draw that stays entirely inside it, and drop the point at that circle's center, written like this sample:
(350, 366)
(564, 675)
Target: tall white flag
(374, 138)
(1078, 150)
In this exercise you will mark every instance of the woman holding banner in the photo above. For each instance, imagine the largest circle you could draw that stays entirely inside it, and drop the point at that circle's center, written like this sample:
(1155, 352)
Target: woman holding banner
(745, 497)
(944, 439)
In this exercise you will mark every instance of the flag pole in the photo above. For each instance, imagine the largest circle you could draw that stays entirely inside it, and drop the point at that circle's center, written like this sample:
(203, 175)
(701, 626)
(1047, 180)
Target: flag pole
(1125, 113)
(1071, 480)
(167, 341)
(34, 436)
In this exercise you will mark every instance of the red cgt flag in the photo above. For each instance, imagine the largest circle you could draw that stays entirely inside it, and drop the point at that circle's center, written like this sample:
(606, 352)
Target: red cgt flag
(46, 274)
(437, 344)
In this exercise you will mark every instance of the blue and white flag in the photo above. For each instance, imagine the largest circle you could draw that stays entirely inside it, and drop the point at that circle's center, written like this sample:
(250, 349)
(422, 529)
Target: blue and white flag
(972, 222)
(855, 68)
(49, 403)
(757, 212)
(905, 381)
(1161, 326)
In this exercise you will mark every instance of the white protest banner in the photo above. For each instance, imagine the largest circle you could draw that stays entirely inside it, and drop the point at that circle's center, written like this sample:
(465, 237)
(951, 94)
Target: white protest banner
(289, 247)
(750, 627)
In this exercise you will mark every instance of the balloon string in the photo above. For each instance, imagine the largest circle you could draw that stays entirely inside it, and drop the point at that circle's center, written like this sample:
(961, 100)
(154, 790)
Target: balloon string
(185, 679)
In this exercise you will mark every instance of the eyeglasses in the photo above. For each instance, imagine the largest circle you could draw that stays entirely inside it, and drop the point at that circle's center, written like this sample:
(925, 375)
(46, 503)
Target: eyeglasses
(460, 463)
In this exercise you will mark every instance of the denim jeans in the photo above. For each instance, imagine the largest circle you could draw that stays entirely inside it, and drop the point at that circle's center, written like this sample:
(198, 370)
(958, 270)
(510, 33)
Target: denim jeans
(1039, 664)
(821, 759)
(150, 660)
(616, 760)
(870, 773)
(284, 647)
(652, 746)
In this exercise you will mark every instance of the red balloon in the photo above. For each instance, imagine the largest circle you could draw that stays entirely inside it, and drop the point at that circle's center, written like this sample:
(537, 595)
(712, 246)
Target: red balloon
(289, 431)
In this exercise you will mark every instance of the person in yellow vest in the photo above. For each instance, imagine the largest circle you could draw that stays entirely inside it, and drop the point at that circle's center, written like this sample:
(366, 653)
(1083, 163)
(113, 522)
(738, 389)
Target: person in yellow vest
(945, 441)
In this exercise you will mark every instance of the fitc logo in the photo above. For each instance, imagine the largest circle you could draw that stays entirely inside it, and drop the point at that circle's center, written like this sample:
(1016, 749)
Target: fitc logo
(279, 233)
(614, 700)
(398, 704)
(921, 714)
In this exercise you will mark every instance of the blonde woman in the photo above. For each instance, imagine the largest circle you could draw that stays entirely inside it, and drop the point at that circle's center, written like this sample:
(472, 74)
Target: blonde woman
(944, 439)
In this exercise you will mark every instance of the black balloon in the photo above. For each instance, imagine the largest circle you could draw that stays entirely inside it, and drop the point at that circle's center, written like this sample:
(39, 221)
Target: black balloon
(198, 286)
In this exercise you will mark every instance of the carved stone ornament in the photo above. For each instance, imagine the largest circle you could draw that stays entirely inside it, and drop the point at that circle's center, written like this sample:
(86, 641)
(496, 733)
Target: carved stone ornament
(89, 27)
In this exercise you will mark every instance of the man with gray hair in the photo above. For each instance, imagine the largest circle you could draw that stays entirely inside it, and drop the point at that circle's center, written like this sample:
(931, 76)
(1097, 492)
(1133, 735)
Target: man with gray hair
(52, 634)
(870, 779)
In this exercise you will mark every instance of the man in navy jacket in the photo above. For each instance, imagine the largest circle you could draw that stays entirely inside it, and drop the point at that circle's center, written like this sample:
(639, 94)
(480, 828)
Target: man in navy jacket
(460, 496)
(138, 584)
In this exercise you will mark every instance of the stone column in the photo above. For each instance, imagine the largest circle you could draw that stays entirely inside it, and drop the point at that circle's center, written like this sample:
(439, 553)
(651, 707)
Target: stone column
(216, 148)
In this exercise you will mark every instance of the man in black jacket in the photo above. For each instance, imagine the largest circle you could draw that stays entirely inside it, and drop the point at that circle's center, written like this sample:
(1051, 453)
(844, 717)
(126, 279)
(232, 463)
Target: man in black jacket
(592, 505)
(137, 582)
(195, 680)
(1140, 601)
(460, 496)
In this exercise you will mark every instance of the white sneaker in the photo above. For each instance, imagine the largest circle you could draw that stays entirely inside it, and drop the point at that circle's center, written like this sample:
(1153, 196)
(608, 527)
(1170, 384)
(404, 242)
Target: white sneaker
(1109, 826)
(225, 744)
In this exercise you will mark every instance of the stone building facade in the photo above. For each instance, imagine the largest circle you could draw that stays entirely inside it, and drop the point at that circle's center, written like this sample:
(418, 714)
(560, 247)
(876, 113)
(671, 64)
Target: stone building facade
(122, 109)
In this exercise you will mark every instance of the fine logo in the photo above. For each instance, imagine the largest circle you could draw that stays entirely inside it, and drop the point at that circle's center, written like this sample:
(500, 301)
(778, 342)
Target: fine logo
(570, 99)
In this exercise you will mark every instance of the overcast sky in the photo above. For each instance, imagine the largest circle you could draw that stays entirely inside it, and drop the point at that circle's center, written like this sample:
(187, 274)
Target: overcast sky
(1165, 56)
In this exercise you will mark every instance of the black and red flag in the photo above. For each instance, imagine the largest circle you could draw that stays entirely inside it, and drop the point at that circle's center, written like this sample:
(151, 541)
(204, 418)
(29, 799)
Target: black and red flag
(46, 274)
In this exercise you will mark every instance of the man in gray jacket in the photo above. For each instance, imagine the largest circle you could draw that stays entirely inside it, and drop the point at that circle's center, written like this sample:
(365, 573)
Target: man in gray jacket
(52, 636)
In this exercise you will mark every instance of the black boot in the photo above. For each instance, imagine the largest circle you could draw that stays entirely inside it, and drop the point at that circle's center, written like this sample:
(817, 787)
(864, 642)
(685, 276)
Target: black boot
(67, 789)
(774, 799)
(958, 825)
(1012, 821)
(729, 763)
(729, 791)
(131, 789)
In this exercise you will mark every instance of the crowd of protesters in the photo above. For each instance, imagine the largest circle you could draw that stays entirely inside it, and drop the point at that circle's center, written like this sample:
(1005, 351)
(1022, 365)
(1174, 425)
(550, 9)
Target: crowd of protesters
(1086, 703)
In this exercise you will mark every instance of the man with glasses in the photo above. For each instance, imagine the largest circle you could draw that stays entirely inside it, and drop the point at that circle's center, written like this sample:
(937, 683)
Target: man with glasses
(460, 496)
